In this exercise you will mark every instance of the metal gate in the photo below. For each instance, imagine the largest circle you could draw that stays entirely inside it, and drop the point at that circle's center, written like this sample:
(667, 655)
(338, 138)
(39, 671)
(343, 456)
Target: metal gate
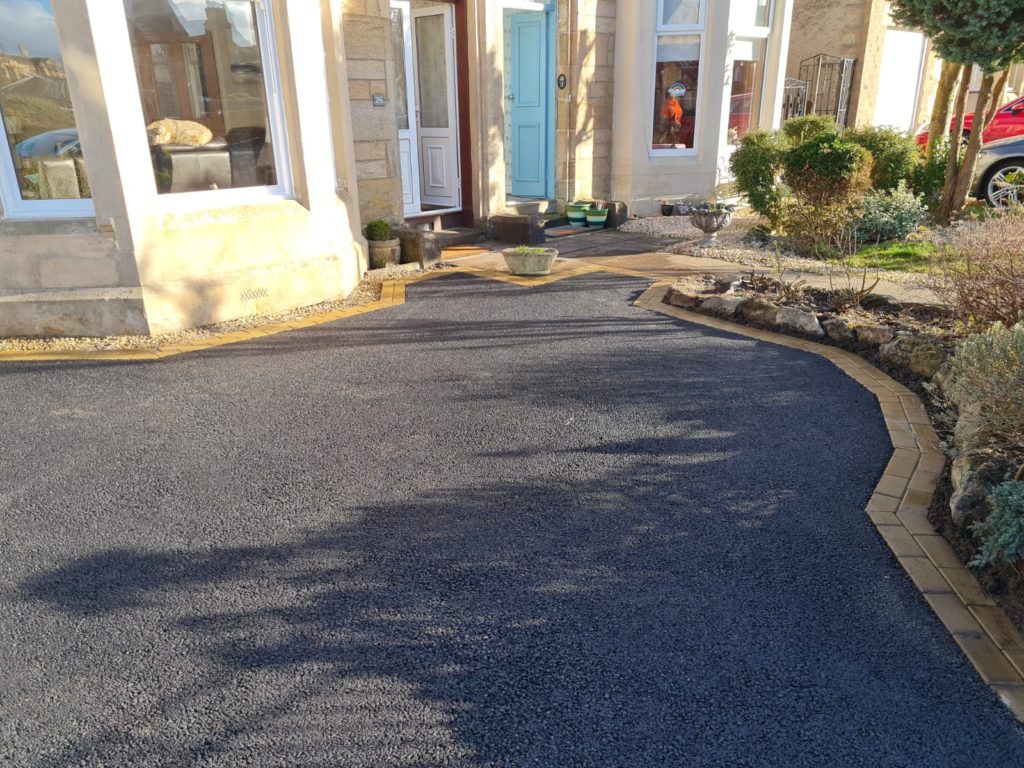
(827, 83)
(794, 99)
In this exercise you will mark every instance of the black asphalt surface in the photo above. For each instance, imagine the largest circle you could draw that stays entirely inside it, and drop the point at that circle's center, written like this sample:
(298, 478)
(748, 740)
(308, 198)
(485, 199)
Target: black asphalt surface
(492, 527)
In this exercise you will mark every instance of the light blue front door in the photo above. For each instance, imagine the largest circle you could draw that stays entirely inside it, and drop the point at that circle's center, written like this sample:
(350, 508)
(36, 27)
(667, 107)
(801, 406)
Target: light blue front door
(528, 102)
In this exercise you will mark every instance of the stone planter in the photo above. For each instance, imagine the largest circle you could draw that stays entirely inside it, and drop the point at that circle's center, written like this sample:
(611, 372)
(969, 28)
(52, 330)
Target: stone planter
(384, 253)
(710, 223)
(530, 262)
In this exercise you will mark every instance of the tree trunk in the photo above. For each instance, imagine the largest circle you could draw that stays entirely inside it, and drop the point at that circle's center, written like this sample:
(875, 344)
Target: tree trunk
(998, 94)
(966, 173)
(945, 210)
(939, 125)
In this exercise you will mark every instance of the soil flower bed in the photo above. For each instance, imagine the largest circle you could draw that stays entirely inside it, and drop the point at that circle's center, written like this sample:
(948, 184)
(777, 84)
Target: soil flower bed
(912, 338)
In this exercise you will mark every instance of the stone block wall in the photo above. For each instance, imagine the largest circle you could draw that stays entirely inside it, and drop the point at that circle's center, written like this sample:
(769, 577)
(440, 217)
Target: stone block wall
(583, 138)
(371, 70)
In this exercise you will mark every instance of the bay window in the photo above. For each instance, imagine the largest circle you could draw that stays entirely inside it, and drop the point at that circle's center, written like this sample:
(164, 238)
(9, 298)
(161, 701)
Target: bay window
(42, 171)
(752, 20)
(747, 87)
(679, 44)
(208, 81)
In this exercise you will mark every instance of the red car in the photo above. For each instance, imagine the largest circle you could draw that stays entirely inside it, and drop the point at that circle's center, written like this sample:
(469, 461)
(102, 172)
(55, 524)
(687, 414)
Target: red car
(1008, 122)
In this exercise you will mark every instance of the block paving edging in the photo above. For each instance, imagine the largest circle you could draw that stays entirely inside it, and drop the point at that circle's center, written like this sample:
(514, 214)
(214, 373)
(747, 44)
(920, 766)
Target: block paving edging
(899, 510)
(392, 294)
(898, 507)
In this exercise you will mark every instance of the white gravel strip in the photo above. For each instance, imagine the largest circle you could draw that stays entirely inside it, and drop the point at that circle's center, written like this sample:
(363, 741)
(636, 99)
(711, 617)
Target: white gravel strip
(367, 292)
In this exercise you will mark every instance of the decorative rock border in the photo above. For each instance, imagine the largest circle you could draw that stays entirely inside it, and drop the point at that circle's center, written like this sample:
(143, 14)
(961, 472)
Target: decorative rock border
(899, 510)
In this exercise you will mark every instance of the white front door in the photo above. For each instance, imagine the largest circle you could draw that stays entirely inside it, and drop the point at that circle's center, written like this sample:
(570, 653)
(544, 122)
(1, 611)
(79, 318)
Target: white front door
(437, 106)
(405, 105)
(899, 81)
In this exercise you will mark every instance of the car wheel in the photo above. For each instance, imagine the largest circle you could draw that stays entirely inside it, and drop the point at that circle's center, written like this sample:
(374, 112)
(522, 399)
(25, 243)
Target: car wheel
(1004, 183)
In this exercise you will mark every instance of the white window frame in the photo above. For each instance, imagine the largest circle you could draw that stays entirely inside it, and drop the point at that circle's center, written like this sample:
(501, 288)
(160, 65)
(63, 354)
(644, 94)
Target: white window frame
(753, 30)
(14, 207)
(753, 33)
(277, 126)
(694, 30)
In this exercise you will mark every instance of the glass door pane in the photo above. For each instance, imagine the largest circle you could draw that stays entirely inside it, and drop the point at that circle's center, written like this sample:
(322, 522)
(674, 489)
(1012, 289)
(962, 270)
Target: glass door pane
(432, 71)
(401, 86)
(43, 157)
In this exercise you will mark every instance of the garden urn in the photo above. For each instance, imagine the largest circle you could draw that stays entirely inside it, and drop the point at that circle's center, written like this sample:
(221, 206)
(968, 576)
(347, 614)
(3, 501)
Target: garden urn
(710, 222)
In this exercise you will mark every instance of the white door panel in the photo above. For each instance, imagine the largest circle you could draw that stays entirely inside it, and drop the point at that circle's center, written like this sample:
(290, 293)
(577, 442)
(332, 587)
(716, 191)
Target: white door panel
(437, 106)
(405, 105)
(900, 79)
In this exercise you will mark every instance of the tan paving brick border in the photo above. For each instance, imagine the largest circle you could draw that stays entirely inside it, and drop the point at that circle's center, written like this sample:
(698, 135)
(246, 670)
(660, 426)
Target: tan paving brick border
(899, 510)
(392, 294)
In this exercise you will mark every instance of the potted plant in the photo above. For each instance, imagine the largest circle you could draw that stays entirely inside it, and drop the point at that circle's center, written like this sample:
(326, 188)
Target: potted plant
(711, 218)
(385, 250)
(597, 216)
(530, 262)
(577, 213)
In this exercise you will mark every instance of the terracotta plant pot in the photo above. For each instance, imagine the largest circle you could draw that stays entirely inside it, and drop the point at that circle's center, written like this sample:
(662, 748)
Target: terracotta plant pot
(710, 223)
(384, 253)
(530, 262)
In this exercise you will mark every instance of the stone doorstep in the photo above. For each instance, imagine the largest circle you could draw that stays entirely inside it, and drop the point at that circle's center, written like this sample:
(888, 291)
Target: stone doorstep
(898, 509)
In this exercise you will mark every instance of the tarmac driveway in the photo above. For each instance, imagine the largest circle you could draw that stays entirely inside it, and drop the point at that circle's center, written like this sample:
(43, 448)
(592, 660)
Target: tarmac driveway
(491, 527)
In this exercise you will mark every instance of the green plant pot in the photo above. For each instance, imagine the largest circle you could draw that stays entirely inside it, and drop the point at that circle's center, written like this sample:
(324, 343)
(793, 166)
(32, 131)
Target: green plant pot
(597, 218)
(577, 213)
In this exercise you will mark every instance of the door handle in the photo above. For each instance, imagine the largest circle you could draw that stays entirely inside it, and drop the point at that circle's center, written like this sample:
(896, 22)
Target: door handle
(511, 97)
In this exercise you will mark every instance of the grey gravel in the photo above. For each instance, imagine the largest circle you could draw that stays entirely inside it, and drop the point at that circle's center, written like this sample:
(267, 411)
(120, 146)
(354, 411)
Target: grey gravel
(491, 527)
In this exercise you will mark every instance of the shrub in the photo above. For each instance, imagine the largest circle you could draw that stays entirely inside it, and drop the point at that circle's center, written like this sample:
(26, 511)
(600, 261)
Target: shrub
(981, 274)
(828, 176)
(1002, 533)
(987, 371)
(889, 215)
(829, 160)
(797, 130)
(929, 176)
(895, 154)
(756, 165)
(378, 230)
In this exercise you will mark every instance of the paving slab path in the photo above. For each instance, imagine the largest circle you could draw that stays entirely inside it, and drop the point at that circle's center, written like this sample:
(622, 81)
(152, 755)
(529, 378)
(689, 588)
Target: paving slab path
(651, 255)
(494, 526)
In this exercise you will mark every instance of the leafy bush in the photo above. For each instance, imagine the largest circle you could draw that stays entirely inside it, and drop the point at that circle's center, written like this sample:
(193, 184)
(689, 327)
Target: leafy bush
(829, 159)
(889, 215)
(756, 165)
(797, 130)
(828, 176)
(378, 230)
(895, 155)
(1002, 533)
(929, 176)
(987, 371)
(981, 273)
